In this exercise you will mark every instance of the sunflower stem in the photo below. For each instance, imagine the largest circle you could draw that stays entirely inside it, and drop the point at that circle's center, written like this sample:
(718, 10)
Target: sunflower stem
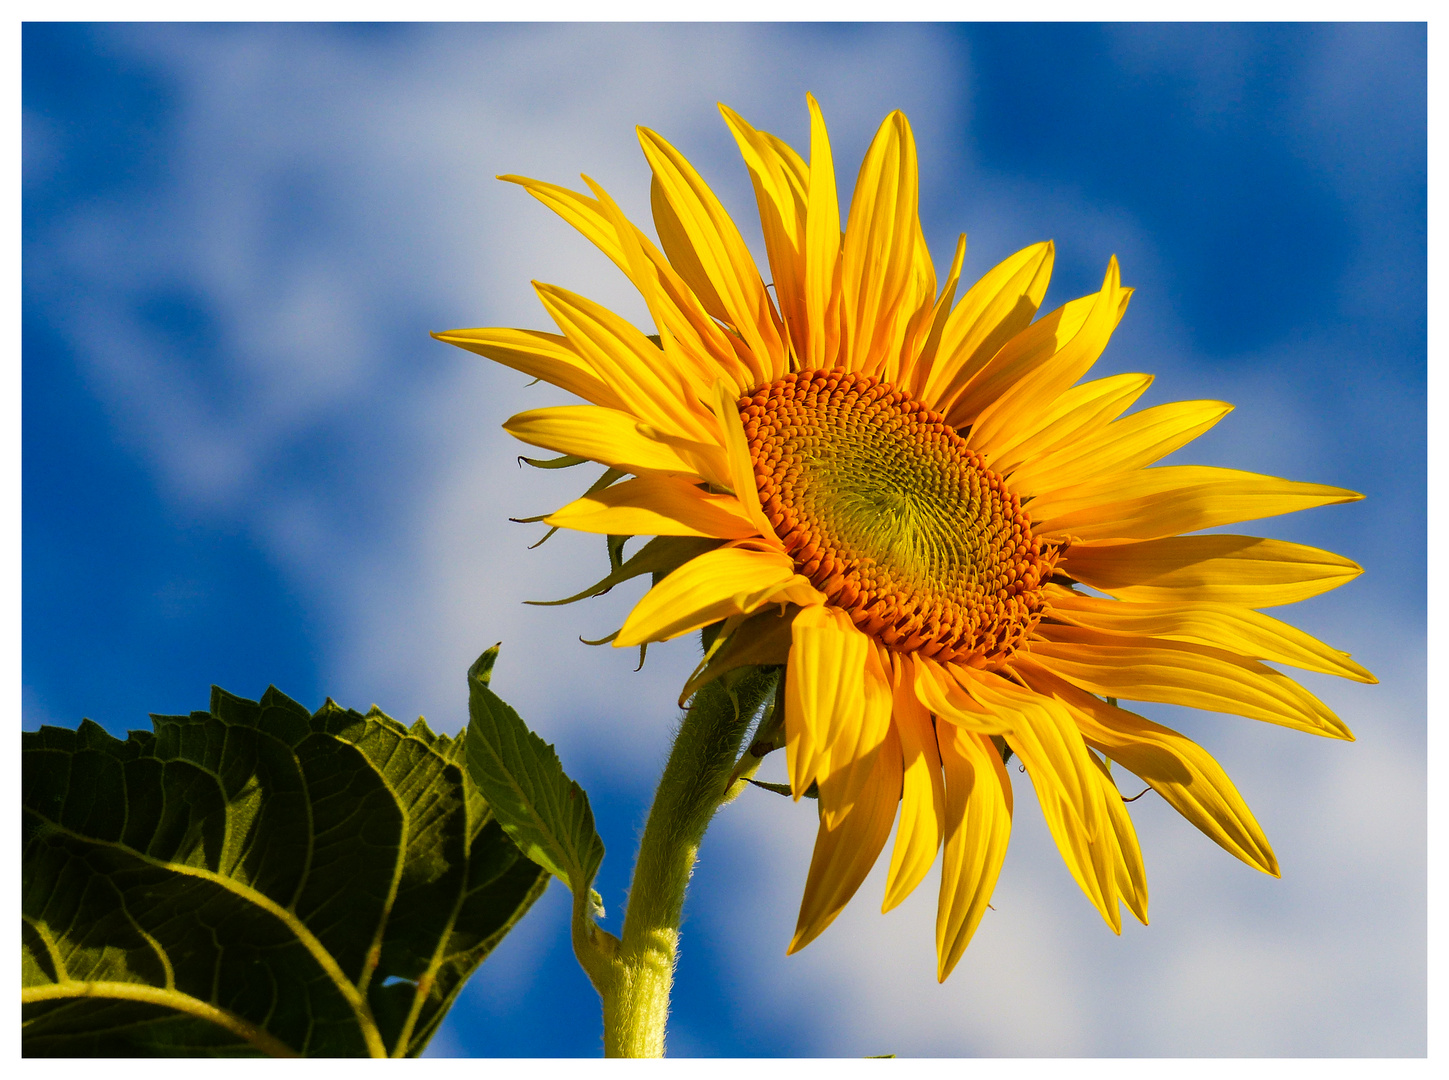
(696, 782)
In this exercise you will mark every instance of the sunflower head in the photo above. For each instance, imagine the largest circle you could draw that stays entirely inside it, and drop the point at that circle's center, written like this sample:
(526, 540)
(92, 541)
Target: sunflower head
(958, 549)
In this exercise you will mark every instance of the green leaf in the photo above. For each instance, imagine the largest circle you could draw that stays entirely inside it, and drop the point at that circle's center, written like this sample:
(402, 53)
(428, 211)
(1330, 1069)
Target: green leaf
(255, 880)
(546, 814)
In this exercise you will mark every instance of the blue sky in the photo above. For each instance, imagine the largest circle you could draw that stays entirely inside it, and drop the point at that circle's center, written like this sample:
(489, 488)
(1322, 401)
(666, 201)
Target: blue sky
(246, 463)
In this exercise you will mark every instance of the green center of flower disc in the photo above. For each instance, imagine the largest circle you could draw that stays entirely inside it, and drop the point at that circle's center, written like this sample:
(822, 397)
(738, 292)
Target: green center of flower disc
(894, 518)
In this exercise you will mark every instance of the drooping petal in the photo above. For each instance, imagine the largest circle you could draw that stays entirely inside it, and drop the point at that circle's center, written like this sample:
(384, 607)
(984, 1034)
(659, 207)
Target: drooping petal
(706, 248)
(656, 506)
(1179, 673)
(1069, 787)
(1221, 626)
(823, 688)
(1066, 782)
(1126, 854)
(607, 436)
(851, 754)
(937, 688)
(845, 853)
(1170, 499)
(732, 580)
(978, 826)
(1175, 767)
(1225, 568)
(923, 792)
(536, 354)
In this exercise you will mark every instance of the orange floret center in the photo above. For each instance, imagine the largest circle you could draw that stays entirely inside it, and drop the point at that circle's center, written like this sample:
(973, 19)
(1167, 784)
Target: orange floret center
(890, 514)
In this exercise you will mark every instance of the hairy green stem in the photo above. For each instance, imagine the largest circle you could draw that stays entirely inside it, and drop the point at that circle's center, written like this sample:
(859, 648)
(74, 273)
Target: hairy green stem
(635, 979)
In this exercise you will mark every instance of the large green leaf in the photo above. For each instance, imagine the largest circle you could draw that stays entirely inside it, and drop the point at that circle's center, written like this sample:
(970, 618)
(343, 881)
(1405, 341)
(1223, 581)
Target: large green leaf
(545, 812)
(255, 879)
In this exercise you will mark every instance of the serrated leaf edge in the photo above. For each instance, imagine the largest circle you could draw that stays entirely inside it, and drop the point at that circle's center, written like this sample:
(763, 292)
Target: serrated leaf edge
(408, 1041)
(577, 875)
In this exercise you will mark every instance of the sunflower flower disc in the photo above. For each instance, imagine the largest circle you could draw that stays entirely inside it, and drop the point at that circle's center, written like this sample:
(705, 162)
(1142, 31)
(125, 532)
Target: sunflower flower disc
(894, 518)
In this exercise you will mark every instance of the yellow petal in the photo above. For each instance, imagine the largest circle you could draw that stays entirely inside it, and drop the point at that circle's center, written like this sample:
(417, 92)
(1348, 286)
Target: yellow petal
(1121, 838)
(760, 639)
(707, 250)
(1177, 673)
(1175, 767)
(845, 853)
(1220, 626)
(645, 378)
(700, 370)
(937, 688)
(655, 506)
(1229, 569)
(675, 239)
(993, 312)
(913, 318)
(1023, 355)
(607, 436)
(707, 460)
(1069, 787)
(1075, 417)
(923, 793)
(978, 826)
(822, 246)
(1021, 406)
(536, 354)
(852, 752)
(917, 373)
(1152, 503)
(1051, 748)
(823, 688)
(877, 256)
(781, 181)
(727, 581)
(580, 211)
(740, 465)
(1130, 443)
(700, 338)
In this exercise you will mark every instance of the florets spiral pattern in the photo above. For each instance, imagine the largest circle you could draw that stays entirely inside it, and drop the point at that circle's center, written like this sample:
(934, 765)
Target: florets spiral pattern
(891, 515)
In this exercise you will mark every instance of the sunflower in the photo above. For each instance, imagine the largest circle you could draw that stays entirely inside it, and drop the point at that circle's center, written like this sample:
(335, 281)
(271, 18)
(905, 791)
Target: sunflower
(955, 546)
